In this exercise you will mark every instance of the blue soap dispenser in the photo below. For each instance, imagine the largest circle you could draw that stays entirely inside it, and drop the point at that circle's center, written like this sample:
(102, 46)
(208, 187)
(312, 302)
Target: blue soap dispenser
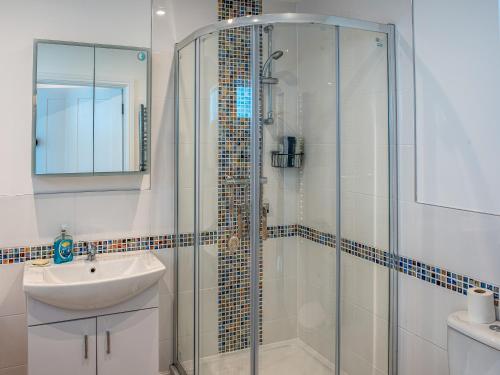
(63, 247)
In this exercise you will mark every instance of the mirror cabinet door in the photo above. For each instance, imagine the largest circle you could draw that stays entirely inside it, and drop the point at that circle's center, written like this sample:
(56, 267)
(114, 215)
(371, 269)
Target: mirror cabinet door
(64, 109)
(121, 87)
(91, 113)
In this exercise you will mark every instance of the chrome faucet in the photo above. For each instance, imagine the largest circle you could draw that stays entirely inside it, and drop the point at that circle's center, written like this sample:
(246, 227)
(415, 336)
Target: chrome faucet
(91, 251)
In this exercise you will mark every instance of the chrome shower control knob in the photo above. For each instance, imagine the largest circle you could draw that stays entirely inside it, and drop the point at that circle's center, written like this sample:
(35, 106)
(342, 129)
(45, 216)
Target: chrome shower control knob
(233, 243)
(495, 327)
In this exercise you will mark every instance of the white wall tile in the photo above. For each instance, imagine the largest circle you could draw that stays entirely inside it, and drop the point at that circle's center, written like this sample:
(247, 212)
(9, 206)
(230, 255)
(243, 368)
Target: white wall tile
(166, 355)
(372, 221)
(190, 15)
(209, 342)
(166, 283)
(105, 215)
(365, 285)
(461, 241)
(406, 177)
(13, 340)
(18, 370)
(209, 310)
(280, 258)
(365, 335)
(418, 356)
(208, 266)
(279, 330)
(424, 308)
(278, 6)
(353, 364)
(12, 299)
(166, 317)
(279, 298)
(30, 220)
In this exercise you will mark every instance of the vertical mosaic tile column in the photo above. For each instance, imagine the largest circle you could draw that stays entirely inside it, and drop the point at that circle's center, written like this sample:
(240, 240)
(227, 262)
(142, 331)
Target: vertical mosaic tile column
(234, 161)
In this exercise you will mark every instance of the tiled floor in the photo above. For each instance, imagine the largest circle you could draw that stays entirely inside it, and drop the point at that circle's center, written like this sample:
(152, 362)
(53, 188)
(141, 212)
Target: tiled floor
(291, 357)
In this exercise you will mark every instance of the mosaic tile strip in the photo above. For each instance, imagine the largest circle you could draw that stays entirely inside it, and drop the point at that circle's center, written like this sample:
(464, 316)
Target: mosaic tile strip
(280, 231)
(366, 252)
(435, 275)
(443, 277)
(234, 156)
(23, 254)
(317, 236)
(438, 276)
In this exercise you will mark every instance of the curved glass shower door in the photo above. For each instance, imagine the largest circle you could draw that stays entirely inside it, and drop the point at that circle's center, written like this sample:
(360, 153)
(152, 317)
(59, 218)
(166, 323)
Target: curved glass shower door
(284, 198)
(330, 84)
(299, 297)
(364, 202)
(214, 256)
(185, 178)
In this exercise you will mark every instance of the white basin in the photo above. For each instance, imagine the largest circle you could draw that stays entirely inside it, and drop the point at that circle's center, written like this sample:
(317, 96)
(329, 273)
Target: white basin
(88, 285)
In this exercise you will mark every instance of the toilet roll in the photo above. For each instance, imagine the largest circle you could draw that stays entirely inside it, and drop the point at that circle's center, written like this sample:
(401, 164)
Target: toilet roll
(480, 305)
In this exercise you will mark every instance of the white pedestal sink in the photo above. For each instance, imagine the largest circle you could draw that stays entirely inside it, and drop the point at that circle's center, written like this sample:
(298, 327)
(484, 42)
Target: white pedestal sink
(89, 285)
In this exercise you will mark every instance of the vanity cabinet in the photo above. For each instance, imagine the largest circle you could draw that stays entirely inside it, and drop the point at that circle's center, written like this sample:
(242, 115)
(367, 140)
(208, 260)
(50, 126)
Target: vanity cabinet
(123, 343)
(127, 344)
(63, 348)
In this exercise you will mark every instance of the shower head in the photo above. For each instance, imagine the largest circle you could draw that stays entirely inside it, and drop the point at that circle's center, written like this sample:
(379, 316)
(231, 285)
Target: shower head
(276, 54)
(273, 56)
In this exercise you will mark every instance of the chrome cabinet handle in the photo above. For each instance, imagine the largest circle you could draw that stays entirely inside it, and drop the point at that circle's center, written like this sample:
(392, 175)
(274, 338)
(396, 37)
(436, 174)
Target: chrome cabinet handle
(108, 342)
(86, 345)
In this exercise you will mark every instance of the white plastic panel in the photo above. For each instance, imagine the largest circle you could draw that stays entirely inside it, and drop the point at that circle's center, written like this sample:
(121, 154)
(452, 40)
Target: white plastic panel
(457, 60)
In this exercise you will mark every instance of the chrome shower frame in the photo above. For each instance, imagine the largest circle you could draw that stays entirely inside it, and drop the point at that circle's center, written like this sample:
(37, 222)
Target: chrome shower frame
(256, 22)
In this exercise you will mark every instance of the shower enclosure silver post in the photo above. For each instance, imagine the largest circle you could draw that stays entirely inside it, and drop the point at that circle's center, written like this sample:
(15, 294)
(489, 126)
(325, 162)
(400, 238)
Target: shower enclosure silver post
(393, 201)
(255, 204)
(338, 198)
(197, 208)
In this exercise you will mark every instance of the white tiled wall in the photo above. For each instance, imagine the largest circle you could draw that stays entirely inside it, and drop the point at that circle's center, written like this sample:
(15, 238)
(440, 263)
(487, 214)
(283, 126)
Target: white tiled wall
(316, 297)
(280, 289)
(26, 218)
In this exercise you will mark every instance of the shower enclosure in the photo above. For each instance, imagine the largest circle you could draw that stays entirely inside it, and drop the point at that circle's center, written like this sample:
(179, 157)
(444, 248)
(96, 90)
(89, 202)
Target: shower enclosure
(286, 197)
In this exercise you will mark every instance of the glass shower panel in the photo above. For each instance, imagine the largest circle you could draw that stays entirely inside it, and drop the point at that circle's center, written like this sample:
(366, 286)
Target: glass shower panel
(209, 119)
(185, 206)
(224, 192)
(298, 256)
(364, 151)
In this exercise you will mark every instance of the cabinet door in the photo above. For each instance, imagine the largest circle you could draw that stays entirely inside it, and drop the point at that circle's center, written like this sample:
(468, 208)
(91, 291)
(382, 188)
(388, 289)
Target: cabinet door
(63, 348)
(127, 344)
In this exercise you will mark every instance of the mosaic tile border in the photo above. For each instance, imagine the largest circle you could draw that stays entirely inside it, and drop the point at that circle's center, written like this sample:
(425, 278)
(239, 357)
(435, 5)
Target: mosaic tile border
(435, 275)
(442, 277)
(21, 254)
(432, 274)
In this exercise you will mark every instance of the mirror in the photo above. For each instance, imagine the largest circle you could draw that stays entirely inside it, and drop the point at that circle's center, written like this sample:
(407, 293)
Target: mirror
(457, 91)
(91, 109)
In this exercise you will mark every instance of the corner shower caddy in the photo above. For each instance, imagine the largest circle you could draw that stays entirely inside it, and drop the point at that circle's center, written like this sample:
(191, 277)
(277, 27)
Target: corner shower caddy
(279, 160)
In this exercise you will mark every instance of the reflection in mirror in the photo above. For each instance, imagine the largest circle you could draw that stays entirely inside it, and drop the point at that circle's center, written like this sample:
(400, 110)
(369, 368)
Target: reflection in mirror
(65, 95)
(120, 103)
(91, 113)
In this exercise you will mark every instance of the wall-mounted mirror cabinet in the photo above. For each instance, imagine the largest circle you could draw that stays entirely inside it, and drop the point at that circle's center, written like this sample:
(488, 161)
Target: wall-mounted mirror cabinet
(90, 109)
